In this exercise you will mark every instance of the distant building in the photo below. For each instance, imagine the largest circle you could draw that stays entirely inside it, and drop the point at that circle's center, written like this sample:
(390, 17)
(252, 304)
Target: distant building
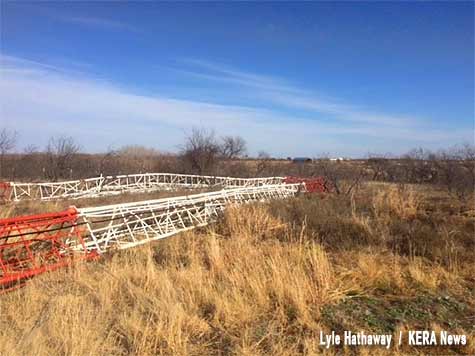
(337, 159)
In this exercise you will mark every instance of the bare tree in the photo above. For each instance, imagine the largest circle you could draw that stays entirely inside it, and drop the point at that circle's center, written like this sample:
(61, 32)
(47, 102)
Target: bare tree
(263, 165)
(136, 158)
(8, 139)
(106, 161)
(467, 157)
(60, 153)
(31, 149)
(419, 166)
(263, 155)
(342, 178)
(232, 147)
(456, 170)
(200, 152)
(137, 151)
(379, 165)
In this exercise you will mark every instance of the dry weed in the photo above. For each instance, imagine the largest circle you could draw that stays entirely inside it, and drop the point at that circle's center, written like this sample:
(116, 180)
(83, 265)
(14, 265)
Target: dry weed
(254, 284)
(403, 201)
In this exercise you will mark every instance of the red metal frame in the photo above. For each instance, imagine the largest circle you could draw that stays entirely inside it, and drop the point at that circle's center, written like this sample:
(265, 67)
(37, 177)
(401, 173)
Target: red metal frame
(313, 184)
(30, 245)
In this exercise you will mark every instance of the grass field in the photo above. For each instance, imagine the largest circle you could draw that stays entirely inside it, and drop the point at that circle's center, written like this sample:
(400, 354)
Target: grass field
(264, 280)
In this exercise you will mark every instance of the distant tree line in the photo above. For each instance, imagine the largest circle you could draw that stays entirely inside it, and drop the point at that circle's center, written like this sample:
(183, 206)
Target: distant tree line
(452, 168)
(203, 152)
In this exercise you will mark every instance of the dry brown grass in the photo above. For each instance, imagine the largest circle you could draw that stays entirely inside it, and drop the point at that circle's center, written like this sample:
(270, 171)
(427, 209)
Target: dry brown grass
(6, 211)
(265, 280)
(403, 201)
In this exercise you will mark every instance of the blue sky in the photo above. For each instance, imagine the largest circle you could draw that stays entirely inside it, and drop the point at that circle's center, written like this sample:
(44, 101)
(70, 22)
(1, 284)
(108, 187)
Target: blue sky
(291, 78)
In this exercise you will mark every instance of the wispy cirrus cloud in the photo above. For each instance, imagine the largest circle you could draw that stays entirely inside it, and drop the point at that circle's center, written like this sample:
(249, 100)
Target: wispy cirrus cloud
(41, 100)
(219, 72)
(93, 22)
(101, 23)
(281, 92)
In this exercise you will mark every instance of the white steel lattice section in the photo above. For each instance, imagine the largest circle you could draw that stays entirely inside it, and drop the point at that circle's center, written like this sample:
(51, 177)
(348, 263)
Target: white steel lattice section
(127, 225)
(110, 185)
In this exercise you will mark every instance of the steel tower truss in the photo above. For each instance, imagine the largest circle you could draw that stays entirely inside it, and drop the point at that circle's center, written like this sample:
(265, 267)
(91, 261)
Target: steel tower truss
(110, 185)
(34, 244)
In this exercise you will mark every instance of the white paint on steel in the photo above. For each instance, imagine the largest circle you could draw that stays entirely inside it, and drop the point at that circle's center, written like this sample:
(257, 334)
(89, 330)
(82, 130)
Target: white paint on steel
(122, 226)
(110, 185)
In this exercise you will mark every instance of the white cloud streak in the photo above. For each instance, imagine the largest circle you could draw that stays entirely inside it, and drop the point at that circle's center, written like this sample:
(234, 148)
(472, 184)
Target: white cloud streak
(280, 92)
(101, 23)
(40, 101)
